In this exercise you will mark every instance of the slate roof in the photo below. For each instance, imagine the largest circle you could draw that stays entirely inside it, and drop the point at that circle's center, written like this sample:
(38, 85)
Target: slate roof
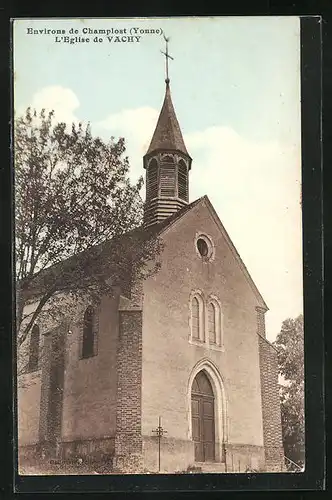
(161, 226)
(138, 235)
(102, 250)
(167, 134)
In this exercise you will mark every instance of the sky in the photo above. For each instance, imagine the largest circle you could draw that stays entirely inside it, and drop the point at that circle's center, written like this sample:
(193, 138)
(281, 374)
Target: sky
(235, 85)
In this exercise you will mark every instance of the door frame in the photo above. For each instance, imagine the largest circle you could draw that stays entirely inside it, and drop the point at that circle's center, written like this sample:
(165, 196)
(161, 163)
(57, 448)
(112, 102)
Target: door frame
(221, 430)
(202, 398)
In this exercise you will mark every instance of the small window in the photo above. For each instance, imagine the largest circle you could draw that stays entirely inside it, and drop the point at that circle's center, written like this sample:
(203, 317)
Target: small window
(34, 349)
(212, 324)
(195, 320)
(202, 247)
(88, 333)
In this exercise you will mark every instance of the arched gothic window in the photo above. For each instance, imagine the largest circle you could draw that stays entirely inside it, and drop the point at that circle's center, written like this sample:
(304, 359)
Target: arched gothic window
(34, 349)
(215, 322)
(206, 320)
(182, 180)
(88, 333)
(197, 317)
(168, 159)
(212, 323)
(195, 322)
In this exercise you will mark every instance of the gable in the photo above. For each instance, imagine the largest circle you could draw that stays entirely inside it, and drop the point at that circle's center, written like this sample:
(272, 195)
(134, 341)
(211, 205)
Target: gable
(204, 204)
(105, 255)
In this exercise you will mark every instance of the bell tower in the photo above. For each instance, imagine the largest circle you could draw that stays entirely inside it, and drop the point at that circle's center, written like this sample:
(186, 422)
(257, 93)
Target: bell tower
(167, 164)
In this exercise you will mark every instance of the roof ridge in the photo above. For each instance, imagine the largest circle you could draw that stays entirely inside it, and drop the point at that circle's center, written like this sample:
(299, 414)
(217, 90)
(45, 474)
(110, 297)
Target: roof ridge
(162, 226)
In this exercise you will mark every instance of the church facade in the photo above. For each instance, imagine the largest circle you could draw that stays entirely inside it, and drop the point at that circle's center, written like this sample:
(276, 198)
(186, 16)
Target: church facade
(185, 348)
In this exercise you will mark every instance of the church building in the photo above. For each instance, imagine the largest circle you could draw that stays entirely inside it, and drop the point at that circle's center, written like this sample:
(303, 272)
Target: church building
(185, 349)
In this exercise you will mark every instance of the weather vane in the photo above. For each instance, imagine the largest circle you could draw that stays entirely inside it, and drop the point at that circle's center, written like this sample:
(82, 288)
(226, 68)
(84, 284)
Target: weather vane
(167, 56)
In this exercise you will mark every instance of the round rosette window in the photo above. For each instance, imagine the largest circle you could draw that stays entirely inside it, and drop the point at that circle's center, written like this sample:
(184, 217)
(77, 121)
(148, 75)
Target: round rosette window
(204, 247)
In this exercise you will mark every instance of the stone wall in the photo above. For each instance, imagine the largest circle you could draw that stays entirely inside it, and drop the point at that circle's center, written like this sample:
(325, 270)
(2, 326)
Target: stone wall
(89, 403)
(169, 356)
(92, 449)
(28, 405)
(244, 458)
(174, 454)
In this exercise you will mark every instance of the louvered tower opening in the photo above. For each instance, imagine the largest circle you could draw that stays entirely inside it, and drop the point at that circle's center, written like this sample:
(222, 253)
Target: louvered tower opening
(167, 177)
(152, 180)
(182, 181)
(167, 165)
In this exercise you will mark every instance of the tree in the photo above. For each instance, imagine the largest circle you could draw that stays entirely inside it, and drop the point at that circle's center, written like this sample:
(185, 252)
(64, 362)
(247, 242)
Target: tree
(289, 343)
(76, 217)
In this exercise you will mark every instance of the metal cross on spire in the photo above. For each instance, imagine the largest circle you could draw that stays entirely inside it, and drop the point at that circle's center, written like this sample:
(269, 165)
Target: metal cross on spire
(167, 56)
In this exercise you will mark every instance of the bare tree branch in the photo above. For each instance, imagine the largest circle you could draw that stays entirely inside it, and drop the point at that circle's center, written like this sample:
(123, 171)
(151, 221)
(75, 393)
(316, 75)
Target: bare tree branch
(72, 195)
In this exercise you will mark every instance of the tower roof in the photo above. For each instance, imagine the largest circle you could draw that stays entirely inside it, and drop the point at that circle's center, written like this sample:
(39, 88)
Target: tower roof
(167, 134)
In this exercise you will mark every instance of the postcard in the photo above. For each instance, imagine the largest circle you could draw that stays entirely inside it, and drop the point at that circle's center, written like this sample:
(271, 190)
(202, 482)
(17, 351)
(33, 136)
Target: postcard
(158, 245)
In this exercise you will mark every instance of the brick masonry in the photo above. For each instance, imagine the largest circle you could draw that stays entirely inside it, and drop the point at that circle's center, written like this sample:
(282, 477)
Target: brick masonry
(112, 400)
(128, 438)
(274, 453)
(45, 388)
(50, 429)
(260, 311)
(169, 357)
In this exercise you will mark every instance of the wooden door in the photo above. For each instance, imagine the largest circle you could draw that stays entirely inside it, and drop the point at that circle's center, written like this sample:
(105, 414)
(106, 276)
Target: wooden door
(202, 414)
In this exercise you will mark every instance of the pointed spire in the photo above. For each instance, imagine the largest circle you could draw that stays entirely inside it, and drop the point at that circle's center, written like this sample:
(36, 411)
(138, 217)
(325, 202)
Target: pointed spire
(167, 164)
(167, 134)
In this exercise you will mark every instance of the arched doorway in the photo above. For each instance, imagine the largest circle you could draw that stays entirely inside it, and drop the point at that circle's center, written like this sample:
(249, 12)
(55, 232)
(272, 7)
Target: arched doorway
(202, 415)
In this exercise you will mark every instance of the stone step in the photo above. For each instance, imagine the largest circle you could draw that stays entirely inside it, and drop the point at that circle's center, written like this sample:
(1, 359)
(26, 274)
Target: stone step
(211, 467)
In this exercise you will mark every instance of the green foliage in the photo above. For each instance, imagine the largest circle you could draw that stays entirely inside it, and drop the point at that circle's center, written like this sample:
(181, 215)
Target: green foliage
(290, 345)
(72, 196)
